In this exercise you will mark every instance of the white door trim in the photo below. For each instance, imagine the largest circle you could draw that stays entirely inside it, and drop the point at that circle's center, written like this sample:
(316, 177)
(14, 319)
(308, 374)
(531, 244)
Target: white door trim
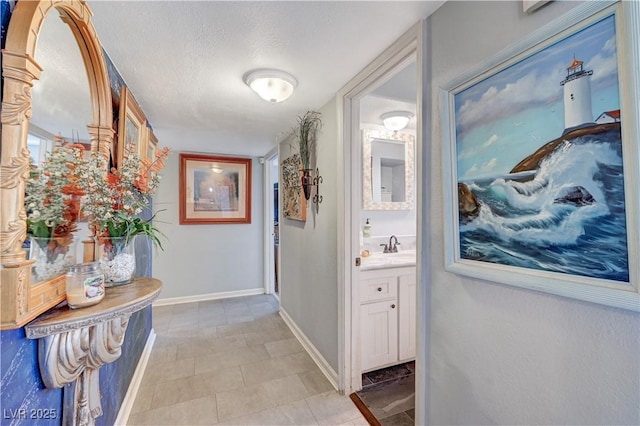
(348, 205)
(269, 270)
(423, 284)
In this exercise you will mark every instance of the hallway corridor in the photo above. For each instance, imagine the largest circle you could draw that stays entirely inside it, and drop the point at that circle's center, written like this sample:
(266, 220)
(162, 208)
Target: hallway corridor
(233, 362)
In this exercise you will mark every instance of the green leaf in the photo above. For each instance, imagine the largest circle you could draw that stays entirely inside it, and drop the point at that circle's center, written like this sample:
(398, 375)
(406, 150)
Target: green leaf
(39, 229)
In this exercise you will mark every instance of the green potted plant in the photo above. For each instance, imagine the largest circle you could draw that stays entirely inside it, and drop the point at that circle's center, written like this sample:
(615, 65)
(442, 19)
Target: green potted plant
(114, 202)
(305, 134)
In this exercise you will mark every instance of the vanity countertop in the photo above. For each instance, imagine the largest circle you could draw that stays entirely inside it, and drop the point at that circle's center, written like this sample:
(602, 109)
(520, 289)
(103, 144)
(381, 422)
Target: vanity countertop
(388, 260)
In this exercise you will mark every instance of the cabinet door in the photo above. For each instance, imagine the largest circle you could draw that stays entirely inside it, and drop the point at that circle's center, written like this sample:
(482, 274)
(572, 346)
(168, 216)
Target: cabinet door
(407, 316)
(379, 326)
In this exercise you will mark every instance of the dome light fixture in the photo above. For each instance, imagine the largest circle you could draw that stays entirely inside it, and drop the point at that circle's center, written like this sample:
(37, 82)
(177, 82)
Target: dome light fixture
(396, 120)
(270, 84)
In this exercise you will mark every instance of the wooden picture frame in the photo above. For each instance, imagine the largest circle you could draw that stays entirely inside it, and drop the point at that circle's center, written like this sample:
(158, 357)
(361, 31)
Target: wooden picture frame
(152, 145)
(540, 156)
(214, 189)
(132, 127)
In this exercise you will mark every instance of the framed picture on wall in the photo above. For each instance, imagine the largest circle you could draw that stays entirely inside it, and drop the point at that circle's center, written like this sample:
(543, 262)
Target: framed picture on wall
(132, 127)
(152, 145)
(294, 203)
(540, 151)
(214, 189)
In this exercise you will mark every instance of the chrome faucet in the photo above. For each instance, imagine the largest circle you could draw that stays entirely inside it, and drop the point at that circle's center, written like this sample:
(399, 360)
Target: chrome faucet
(393, 245)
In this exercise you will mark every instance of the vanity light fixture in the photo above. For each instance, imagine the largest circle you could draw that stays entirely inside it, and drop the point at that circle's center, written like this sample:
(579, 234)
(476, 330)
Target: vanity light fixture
(396, 120)
(270, 84)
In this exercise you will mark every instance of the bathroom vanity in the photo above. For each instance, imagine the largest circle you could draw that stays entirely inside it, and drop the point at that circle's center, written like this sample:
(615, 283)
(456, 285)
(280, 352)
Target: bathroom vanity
(387, 292)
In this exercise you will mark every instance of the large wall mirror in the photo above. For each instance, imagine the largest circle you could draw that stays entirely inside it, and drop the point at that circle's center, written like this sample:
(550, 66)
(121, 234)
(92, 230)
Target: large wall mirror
(387, 170)
(61, 102)
(49, 47)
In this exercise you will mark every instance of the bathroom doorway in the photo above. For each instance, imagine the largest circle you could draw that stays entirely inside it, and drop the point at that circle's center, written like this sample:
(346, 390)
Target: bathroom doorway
(271, 224)
(390, 84)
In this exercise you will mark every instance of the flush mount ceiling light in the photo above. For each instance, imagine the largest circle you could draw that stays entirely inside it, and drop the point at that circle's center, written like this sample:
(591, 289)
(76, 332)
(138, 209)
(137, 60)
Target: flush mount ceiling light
(396, 120)
(271, 85)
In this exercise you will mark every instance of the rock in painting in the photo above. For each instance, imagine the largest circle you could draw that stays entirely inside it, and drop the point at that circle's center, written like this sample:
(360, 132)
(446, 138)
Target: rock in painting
(577, 196)
(532, 162)
(468, 206)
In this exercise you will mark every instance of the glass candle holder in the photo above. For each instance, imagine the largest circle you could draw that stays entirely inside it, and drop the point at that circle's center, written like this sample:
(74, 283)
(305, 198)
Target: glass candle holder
(85, 285)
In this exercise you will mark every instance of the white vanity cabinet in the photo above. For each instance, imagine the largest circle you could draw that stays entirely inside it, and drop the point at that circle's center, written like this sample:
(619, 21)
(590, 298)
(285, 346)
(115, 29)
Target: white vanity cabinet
(387, 316)
(407, 315)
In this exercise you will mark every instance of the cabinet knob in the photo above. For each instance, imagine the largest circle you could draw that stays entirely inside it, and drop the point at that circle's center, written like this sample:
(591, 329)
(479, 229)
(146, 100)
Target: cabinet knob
(379, 288)
(393, 306)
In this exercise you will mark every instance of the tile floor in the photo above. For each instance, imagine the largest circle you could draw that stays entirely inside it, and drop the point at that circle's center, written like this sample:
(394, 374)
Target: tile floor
(389, 394)
(234, 362)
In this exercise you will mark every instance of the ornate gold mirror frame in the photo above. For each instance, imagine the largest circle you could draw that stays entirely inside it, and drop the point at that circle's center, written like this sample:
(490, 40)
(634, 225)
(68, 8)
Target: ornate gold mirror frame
(21, 301)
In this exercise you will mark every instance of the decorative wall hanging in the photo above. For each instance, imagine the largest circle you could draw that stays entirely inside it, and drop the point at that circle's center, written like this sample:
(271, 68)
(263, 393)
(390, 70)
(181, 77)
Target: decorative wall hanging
(132, 129)
(539, 149)
(317, 198)
(214, 189)
(310, 180)
(294, 202)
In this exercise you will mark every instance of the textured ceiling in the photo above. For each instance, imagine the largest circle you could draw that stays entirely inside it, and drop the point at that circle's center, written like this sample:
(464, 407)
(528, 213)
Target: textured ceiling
(184, 61)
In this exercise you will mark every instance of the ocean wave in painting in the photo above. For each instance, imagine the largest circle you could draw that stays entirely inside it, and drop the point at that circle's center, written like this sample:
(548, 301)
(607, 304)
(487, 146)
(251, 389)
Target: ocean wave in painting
(531, 224)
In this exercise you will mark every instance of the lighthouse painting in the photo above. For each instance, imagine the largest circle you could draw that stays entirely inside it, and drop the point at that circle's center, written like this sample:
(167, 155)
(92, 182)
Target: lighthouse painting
(538, 161)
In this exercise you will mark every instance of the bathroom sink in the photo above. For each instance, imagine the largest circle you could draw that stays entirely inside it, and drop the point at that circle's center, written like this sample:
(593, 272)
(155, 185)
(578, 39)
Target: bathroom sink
(389, 260)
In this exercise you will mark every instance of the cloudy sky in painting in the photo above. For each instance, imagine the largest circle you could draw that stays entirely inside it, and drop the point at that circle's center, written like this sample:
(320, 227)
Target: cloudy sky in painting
(505, 117)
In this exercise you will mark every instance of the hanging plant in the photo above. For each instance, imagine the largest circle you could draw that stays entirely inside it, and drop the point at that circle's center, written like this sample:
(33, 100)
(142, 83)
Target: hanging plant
(306, 134)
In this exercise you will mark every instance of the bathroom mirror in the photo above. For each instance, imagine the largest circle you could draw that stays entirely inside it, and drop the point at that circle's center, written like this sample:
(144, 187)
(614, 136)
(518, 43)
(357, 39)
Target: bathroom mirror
(20, 300)
(387, 170)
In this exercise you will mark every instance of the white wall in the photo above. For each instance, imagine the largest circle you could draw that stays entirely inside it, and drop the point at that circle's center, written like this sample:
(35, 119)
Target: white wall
(308, 291)
(206, 259)
(387, 223)
(500, 354)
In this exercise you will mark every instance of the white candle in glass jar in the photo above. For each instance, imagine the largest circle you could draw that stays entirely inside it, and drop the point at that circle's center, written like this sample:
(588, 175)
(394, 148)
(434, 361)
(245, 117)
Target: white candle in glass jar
(85, 285)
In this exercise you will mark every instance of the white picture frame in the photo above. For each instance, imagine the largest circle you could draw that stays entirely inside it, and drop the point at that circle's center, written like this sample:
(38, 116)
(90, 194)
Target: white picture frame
(530, 6)
(608, 289)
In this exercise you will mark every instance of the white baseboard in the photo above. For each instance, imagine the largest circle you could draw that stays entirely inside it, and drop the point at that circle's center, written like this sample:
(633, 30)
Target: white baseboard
(313, 352)
(136, 380)
(210, 296)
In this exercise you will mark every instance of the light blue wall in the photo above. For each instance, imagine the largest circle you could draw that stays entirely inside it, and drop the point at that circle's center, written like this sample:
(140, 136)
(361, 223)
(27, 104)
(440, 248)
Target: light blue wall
(206, 259)
(309, 271)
